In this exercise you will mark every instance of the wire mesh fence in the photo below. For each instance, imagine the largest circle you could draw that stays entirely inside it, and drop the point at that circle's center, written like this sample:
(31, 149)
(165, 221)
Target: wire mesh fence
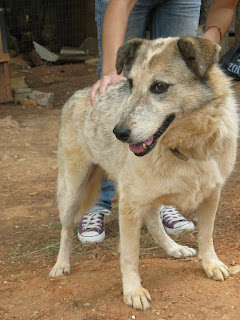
(52, 23)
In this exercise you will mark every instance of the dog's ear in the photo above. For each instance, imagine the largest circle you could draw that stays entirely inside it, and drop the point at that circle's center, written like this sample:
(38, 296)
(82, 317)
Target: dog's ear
(126, 54)
(199, 54)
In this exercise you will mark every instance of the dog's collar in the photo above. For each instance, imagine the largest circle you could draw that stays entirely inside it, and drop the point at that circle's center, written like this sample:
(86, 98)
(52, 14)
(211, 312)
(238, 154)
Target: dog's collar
(179, 155)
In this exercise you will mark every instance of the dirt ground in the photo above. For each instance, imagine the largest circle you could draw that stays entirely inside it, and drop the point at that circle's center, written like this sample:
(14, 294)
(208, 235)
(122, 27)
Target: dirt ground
(30, 230)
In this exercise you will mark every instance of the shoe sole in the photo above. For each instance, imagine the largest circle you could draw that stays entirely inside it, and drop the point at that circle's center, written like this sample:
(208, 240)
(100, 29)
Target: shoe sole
(98, 238)
(178, 231)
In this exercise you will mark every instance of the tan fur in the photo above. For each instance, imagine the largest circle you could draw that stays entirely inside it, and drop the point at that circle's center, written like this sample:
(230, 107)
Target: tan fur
(204, 130)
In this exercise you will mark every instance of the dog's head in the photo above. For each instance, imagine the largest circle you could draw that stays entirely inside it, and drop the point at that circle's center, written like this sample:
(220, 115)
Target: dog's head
(168, 78)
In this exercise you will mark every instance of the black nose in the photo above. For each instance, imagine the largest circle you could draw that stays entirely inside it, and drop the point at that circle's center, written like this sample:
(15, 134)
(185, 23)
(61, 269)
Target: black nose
(122, 132)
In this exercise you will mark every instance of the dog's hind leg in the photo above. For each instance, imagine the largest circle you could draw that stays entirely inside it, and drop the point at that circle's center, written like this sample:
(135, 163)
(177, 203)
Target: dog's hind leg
(154, 225)
(77, 190)
(213, 267)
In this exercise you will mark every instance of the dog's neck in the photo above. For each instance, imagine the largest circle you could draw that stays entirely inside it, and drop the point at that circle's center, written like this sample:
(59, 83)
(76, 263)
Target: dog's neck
(179, 155)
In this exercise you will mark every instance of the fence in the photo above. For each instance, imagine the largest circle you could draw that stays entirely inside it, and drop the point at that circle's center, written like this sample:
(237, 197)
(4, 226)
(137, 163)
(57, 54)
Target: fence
(52, 23)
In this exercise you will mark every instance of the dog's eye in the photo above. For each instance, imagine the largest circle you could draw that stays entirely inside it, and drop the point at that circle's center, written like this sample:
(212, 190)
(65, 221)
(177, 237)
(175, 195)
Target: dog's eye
(159, 87)
(130, 83)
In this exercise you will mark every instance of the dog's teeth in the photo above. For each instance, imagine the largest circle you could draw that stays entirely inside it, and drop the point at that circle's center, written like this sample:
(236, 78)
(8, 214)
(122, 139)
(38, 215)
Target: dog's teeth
(144, 146)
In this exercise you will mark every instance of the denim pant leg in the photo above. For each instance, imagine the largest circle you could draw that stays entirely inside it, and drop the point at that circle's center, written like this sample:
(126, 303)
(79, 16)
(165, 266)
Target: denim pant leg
(100, 7)
(137, 21)
(136, 27)
(106, 194)
(175, 18)
(107, 186)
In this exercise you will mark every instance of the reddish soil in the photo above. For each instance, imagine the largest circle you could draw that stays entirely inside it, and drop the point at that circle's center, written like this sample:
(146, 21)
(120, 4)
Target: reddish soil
(30, 231)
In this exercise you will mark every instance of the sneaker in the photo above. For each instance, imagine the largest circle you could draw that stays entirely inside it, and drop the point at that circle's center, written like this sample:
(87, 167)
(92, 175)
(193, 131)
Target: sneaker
(173, 221)
(91, 227)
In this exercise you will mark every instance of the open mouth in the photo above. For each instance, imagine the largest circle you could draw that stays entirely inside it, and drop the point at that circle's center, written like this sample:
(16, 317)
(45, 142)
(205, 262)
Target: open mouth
(140, 149)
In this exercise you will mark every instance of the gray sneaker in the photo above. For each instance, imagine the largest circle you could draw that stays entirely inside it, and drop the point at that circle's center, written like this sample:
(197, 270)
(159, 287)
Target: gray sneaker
(173, 221)
(91, 227)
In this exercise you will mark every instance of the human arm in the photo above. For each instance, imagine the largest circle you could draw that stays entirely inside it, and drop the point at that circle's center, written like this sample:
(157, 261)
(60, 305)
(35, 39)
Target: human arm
(113, 33)
(219, 19)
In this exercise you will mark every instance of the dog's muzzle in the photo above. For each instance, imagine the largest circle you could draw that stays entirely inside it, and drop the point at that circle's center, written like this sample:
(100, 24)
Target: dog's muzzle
(142, 148)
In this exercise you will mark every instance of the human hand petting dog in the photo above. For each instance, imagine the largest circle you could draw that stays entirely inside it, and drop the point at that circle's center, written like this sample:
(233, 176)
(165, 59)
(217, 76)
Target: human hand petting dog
(101, 85)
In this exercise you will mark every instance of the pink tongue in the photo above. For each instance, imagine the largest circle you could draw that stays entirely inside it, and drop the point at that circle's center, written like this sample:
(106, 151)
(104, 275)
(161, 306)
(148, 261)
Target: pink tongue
(138, 148)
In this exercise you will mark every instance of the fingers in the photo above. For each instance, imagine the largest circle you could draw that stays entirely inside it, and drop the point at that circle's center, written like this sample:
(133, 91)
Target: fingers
(101, 85)
(105, 82)
(94, 91)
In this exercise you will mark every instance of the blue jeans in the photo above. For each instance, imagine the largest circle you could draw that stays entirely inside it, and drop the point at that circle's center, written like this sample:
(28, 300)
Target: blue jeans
(166, 18)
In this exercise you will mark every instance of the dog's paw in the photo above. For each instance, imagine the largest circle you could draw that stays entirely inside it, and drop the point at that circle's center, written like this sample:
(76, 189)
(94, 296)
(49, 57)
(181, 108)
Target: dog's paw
(178, 251)
(60, 270)
(215, 269)
(138, 299)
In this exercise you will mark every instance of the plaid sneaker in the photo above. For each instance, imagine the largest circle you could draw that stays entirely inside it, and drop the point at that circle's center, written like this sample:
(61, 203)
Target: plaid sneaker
(91, 227)
(173, 221)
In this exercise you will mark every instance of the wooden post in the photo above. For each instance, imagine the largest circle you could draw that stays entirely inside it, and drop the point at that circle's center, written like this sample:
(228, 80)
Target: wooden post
(5, 86)
(237, 26)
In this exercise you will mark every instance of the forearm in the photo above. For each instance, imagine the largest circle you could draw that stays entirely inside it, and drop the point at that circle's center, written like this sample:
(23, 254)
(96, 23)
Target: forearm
(113, 33)
(219, 19)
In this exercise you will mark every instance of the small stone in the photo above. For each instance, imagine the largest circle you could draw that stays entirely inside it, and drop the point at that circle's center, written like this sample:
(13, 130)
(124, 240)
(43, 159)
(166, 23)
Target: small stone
(22, 90)
(18, 82)
(21, 95)
(93, 61)
(27, 102)
(235, 269)
(75, 304)
(164, 307)
(87, 304)
(33, 193)
(44, 99)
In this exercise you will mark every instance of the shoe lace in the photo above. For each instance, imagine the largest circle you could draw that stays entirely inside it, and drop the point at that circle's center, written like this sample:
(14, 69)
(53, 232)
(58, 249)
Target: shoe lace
(93, 220)
(170, 214)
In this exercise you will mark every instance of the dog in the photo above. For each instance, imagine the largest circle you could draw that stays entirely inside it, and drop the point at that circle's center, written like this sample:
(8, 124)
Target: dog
(166, 135)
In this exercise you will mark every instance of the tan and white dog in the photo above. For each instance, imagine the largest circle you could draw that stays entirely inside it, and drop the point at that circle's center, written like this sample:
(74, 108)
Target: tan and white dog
(168, 135)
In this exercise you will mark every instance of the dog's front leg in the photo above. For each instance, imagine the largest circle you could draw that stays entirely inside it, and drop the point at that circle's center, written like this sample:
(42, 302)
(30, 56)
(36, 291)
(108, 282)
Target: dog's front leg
(130, 229)
(206, 212)
(173, 249)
